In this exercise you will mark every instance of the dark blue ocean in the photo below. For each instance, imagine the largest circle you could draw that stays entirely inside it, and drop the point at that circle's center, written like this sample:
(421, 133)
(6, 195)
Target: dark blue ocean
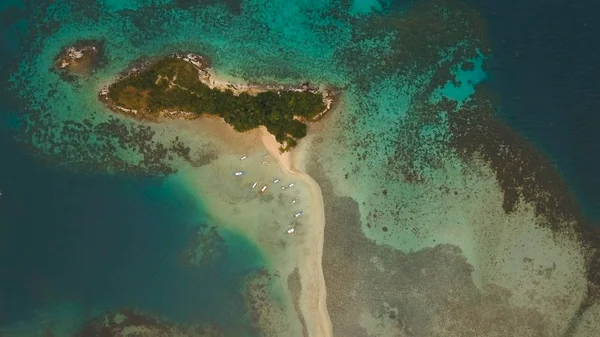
(103, 241)
(106, 242)
(545, 69)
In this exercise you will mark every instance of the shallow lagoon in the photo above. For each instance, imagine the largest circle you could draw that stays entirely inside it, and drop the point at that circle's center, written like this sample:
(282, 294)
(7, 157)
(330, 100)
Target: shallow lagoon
(381, 124)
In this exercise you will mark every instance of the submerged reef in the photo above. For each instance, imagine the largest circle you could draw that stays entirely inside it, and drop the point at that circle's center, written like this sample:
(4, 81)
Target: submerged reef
(156, 159)
(204, 247)
(266, 312)
(129, 322)
(79, 59)
(295, 288)
(464, 228)
(440, 219)
(173, 87)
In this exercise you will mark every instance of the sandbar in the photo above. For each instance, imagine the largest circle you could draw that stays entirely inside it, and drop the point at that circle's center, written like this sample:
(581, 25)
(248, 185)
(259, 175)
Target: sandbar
(313, 298)
(262, 218)
(232, 202)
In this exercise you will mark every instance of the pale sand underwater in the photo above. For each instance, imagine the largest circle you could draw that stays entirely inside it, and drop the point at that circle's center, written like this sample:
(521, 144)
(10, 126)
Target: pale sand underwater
(314, 284)
(265, 218)
(417, 241)
(398, 258)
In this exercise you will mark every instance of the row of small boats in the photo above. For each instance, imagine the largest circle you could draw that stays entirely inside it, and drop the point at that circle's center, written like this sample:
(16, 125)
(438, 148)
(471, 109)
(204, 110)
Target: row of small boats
(264, 188)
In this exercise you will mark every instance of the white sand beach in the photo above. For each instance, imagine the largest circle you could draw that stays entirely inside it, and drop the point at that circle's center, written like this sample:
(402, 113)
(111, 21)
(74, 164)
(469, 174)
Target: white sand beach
(263, 218)
(313, 284)
(263, 196)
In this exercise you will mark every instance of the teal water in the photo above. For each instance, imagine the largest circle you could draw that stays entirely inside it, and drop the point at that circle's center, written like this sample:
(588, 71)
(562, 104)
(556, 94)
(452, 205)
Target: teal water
(548, 81)
(76, 243)
(100, 242)
(465, 81)
(87, 242)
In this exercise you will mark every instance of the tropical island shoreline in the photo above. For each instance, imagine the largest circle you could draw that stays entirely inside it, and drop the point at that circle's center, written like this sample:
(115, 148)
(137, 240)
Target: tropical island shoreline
(79, 59)
(312, 298)
(183, 86)
(314, 294)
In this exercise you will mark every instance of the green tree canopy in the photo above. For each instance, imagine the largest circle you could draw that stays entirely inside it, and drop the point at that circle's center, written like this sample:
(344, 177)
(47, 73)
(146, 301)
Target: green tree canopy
(174, 84)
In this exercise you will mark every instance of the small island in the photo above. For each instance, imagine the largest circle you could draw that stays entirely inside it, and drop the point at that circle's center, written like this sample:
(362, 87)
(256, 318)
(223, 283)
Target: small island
(79, 59)
(180, 86)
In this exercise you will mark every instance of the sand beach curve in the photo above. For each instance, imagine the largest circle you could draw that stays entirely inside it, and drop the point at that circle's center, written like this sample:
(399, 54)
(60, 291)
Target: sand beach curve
(314, 293)
(251, 202)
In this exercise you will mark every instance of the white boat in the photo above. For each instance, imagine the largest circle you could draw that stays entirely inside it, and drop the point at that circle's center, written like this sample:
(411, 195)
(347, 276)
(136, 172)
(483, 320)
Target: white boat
(243, 158)
(276, 181)
(283, 187)
(291, 230)
(255, 183)
(298, 214)
(264, 188)
(294, 201)
(239, 173)
(291, 184)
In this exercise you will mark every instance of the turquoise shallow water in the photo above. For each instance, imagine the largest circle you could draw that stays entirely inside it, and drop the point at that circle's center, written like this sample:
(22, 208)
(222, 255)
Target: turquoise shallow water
(84, 242)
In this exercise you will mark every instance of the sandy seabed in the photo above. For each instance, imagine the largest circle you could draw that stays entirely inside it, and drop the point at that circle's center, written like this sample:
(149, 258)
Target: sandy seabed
(265, 217)
(236, 203)
(314, 300)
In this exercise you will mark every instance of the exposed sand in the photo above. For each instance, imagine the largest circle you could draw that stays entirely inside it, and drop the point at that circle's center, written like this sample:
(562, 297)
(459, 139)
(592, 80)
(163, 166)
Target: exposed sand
(313, 296)
(310, 250)
(262, 217)
(231, 202)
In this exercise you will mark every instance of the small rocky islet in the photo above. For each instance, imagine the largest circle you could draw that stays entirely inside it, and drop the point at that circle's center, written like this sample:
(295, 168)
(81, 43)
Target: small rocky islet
(79, 59)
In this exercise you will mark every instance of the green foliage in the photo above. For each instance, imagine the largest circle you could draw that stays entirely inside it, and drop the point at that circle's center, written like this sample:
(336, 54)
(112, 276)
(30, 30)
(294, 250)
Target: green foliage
(173, 84)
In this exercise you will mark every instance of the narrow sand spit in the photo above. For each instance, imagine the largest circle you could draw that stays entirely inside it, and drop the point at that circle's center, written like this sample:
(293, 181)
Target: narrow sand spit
(313, 297)
(232, 203)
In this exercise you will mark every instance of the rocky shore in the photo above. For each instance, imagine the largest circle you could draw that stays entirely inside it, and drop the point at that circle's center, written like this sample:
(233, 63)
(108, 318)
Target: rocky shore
(209, 78)
(79, 59)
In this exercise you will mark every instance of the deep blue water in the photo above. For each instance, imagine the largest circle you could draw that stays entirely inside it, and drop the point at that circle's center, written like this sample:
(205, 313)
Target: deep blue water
(103, 242)
(545, 68)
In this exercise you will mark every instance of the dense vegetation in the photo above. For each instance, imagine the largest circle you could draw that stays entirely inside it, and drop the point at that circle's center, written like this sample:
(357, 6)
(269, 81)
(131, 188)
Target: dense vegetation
(173, 85)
